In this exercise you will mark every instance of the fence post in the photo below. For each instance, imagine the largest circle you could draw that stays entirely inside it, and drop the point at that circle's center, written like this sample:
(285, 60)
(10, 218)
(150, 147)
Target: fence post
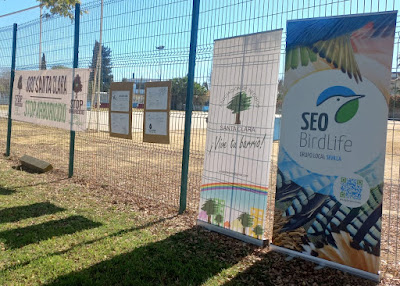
(189, 105)
(14, 49)
(76, 51)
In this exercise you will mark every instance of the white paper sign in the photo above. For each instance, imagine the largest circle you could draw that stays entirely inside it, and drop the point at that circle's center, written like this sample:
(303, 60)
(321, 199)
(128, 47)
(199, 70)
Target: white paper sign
(156, 123)
(157, 98)
(51, 97)
(120, 123)
(120, 100)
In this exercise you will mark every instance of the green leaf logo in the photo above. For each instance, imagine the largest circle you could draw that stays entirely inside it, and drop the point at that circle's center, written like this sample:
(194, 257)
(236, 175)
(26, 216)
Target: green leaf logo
(347, 111)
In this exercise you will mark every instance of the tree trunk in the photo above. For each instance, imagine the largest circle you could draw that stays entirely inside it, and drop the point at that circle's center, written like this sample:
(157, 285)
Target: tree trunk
(237, 118)
(244, 230)
(209, 219)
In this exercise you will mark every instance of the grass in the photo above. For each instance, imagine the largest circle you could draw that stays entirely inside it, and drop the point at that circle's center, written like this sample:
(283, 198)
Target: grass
(57, 231)
(64, 233)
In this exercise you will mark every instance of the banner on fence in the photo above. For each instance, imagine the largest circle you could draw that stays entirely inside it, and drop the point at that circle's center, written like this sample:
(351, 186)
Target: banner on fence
(51, 97)
(332, 149)
(240, 133)
(120, 110)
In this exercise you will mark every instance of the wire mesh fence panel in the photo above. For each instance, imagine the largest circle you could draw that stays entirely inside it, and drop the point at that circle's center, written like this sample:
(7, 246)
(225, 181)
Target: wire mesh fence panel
(141, 41)
(144, 41)
(223, 19)
(6, 37)
(43, 44)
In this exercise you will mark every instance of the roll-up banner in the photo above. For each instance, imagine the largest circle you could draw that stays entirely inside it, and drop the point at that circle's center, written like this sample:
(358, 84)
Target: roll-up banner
(333, 136)
(51, 97)
(240, 131)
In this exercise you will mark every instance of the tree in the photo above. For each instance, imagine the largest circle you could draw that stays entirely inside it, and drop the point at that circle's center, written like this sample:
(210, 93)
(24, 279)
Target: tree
(258, 230)
(210, 207)
(43, 65)
(106, 72)
(219, 219)
(240, 102)
(64, 8)
(179, 92)
(246, 220)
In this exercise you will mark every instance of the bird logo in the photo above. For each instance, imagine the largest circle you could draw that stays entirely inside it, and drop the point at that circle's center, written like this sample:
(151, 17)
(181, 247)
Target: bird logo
(343, 99)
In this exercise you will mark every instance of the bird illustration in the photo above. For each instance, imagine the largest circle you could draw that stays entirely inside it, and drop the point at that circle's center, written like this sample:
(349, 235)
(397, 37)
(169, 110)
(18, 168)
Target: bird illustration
(336, 40)
(342, 100)
(306, 200)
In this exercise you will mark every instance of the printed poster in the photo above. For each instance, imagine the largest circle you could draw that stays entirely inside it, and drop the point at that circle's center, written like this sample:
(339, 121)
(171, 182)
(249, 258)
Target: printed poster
(240, 131)
(333, 136)
(120, 101)
(120, 111)
(156, 123)
(157, 103)
(51, 98)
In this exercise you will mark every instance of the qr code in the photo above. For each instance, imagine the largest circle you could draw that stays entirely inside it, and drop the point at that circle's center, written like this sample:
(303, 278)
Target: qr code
(351, 188)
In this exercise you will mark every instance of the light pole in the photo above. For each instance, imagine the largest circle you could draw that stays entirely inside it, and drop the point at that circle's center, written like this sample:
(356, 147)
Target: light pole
(160, 48)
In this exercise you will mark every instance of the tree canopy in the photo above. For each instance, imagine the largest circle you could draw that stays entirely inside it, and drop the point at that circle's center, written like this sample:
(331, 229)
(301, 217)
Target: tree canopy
(64, 8)
(179, 91)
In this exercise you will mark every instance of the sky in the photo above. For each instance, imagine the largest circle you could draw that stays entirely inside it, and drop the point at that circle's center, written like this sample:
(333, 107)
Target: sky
(132, 29)
(9, 6)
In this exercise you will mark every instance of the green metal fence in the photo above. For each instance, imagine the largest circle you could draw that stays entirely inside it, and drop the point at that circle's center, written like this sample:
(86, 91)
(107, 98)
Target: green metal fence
(148, 41)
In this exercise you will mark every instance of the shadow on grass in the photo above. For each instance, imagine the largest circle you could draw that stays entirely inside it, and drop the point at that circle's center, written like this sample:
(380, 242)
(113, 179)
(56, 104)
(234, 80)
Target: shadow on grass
(89, 242)
(190, 257)
(5, 191)
(20, 237)
(23, 212)
(274, 269)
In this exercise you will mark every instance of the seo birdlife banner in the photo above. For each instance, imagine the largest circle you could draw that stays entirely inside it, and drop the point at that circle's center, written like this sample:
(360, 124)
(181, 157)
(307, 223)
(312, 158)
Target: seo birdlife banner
(333, 137)
(240, 131)
(51, 97)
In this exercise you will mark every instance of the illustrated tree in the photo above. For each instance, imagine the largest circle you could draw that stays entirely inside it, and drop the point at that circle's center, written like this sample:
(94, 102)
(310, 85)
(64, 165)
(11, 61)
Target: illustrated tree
(179, 92)
(258, 230)
(219, 219)
(106, 76)
(77, 85)
(210, 207)
(246, 220)
(240, 102)
(20, 84)
(43, 65)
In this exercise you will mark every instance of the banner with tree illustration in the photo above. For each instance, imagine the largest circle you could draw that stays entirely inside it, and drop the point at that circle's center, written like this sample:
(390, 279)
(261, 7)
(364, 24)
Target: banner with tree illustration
(240, 133)
(332, 149)
(55, 98)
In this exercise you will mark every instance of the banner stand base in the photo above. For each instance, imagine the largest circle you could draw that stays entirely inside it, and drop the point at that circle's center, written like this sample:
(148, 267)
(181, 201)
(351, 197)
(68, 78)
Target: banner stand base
(323, 262)
(233, 234)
